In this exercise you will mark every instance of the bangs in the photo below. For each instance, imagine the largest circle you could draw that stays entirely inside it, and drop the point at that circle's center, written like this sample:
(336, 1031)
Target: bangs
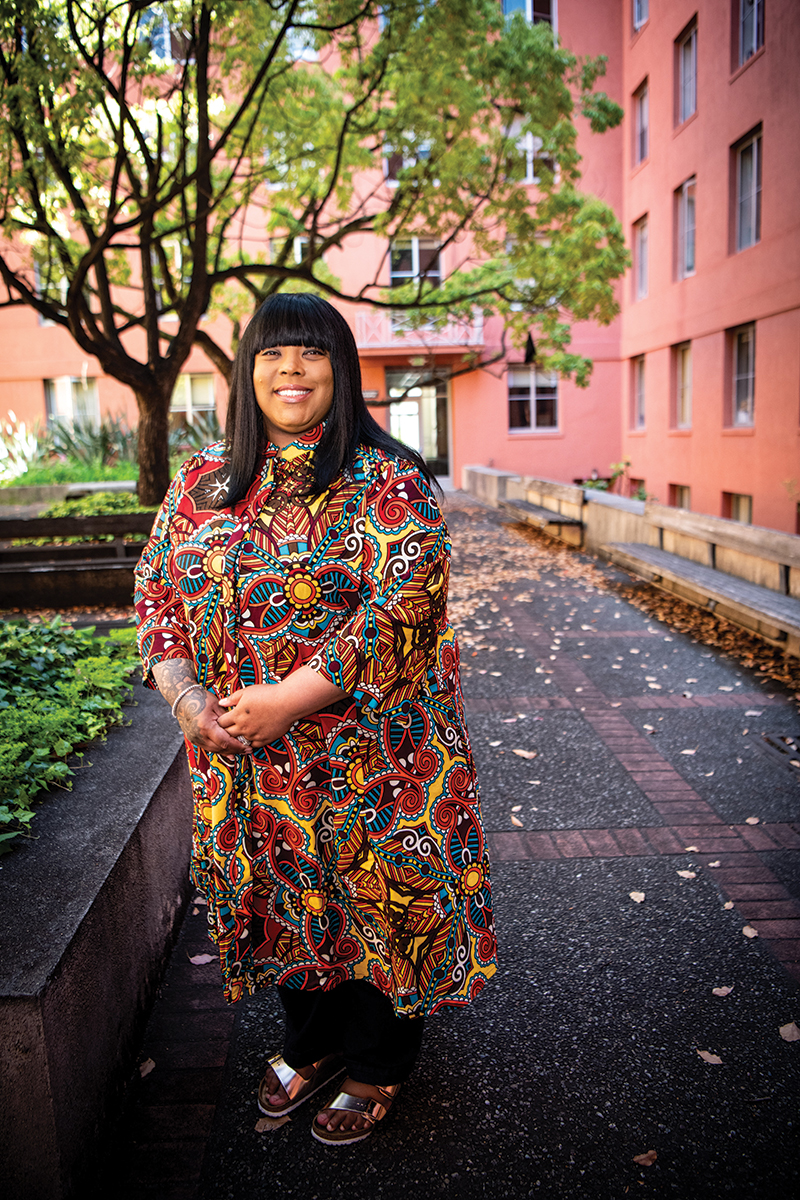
(293, 319)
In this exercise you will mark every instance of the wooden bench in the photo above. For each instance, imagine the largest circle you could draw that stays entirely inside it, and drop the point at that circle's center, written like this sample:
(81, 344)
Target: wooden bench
(747, 574)
(86, 572)
(536, 514)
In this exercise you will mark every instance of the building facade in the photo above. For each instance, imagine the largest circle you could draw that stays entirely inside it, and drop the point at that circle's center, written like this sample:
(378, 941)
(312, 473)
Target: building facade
(697, 381)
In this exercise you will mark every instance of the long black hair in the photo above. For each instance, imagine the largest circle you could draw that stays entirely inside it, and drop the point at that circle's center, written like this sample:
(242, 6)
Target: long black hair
(301, 319)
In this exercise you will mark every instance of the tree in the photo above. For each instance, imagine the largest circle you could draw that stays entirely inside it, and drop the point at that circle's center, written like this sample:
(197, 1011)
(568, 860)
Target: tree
(140, 141)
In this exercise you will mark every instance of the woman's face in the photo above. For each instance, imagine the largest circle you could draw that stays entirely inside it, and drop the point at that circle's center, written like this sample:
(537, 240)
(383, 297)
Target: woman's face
(294, 390)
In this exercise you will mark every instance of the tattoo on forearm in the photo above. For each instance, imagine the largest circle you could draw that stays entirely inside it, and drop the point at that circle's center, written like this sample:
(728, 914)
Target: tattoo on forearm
(173, 676)
(189, 710)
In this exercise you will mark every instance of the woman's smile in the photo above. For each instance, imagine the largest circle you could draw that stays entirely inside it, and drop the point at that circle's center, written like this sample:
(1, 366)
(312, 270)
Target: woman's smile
(294, 390)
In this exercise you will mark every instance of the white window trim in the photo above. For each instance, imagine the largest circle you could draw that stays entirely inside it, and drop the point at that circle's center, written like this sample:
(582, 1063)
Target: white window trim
(684, 112)
(63, 395)
(423, 149)
(684, 272)
(748, 419)
(758, 12)
(755, 214)
(641, 261)
(641, 13)
(517, 430)
(182, 398)
(638, 409)
(683, 386)
(641, 99)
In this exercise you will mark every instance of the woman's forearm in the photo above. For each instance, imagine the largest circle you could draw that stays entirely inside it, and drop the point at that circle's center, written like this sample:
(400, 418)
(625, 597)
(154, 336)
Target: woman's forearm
(172, 676)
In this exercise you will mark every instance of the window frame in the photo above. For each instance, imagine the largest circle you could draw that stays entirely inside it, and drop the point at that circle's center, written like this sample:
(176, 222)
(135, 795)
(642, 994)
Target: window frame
(735, 341)
(732, 502)
(533, 18)
(638, 406)
(687, 37)
(640, 14)
(686, 232)
(641, 130)
(397, 317)
(536, 381)
(758, 30)
(60, 400)
(754, 138)
(185, 406)
(682, 391)
(679, 492)
(641, 258)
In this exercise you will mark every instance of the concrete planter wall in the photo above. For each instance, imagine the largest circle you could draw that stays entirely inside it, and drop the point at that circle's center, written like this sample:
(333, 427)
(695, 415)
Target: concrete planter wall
(89, 911)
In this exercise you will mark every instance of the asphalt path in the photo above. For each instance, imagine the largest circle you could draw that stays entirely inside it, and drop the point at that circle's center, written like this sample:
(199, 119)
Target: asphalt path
(646, 857)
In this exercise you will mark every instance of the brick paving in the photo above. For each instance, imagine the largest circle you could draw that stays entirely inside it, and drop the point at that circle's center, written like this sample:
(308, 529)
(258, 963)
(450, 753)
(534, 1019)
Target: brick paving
(171, 1110)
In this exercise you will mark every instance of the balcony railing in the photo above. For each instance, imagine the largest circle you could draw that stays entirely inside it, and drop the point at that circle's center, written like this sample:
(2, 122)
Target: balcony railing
(384, 330)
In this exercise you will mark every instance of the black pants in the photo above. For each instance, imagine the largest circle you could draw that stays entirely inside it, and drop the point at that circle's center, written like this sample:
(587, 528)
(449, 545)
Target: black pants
(356, 1019)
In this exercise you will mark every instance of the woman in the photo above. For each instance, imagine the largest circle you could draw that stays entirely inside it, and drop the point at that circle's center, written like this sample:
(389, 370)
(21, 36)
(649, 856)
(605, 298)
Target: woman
(291, 607)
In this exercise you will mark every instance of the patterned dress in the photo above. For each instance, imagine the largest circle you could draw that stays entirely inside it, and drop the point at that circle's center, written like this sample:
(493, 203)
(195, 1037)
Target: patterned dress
(351, 848)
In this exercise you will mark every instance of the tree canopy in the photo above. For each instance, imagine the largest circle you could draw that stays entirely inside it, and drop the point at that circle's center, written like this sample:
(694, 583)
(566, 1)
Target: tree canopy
(163, 163)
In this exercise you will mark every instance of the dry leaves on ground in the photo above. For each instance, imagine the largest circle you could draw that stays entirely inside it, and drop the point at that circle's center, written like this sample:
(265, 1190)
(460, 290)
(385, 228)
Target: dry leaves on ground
(749, 932)
(526, 753)
(199, 960)
(721, 991)
(637, 896)
(146, 1067)
(708, 1057)
(688, 874)
(790, 1032)
(270, 1124)
(645, 1160)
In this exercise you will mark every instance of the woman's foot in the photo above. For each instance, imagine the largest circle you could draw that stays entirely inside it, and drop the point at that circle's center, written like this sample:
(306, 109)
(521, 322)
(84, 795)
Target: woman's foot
(342, 1123)
(283, 1089)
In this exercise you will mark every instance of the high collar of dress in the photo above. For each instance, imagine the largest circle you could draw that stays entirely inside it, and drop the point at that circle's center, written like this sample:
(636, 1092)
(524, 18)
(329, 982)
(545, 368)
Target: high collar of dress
(302, 447)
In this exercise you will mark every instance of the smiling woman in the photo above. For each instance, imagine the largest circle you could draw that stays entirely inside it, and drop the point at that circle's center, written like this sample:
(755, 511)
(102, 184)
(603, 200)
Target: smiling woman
(292, 608)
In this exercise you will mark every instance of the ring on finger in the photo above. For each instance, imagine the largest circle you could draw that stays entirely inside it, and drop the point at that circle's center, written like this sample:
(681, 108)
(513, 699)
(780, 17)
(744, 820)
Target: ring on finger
(245, 741)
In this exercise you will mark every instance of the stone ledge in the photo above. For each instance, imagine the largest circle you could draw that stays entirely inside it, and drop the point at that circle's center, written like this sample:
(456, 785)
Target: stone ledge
(90, 909)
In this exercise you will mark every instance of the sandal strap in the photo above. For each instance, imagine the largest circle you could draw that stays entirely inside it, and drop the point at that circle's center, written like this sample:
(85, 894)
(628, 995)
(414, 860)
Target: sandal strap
(291, 1081)
(366, 1106)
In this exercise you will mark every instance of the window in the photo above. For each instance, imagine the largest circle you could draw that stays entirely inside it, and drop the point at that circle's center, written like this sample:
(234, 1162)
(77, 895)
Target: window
(637, 393)
(637, 489)
(154, 30)
(682, 410)
(737, 507)
(751, 28)
(396, 160)
(680, 495)
(747, 165)
(640, 266)
(418, 415)
(641, 11)
(525, 164)
(68, 400)
(193, 394)
(295, 250)
(641, 105)
(685, 214)
(537, 11)
(411, 259)
(686, 49)
(743, 346)
(532, 399)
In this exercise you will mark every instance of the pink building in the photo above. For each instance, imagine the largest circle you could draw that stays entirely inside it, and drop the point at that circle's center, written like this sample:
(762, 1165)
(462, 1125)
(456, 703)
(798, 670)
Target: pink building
(697, 382)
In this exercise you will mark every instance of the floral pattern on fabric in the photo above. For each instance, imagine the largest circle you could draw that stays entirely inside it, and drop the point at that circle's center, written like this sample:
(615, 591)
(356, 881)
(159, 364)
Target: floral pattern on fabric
(352, 847)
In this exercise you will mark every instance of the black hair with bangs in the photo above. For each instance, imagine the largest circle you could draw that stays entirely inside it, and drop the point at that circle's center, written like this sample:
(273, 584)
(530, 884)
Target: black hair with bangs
(302, 319)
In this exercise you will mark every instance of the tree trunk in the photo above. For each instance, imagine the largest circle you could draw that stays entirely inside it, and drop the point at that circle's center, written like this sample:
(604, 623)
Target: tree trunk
(154, 474)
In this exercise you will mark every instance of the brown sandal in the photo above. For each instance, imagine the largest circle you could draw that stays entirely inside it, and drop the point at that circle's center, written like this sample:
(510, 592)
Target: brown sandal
(365, 1106)
(297, 1089)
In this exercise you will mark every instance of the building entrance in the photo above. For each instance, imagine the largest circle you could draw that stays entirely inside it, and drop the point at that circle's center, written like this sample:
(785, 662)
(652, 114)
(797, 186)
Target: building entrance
(418, 417)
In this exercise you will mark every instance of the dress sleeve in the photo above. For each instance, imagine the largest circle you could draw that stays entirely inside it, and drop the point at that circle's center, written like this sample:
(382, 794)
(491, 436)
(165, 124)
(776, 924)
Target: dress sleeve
(384, 653)
(161, 618)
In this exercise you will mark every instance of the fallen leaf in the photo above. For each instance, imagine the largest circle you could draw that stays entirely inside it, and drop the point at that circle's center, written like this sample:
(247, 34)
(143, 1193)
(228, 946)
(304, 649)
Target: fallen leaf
(644, 1160)
(688, 695)
(691, 849)
(748, 931)
(199, 960)
(649, 728)
(516, 808)
(690, 751)
(724, 688)
(580, 689)
(526, 753)
(790, 1032)
(633, 652)
(655, 686)
(751, 820)
(195, 912)
(482, 672)
(708, 1057)
(721, 991)
(716, 863)
(692, 681)
(495, 743)
(495, 672)
(637, 896)
(200, 900)
(516, 821)
(536, 782)
(270, 1124)
(754, 712)
(146, 1067)
(616, 704)
(728, 904)
(708, 774)
(793, 762)
(688, 874)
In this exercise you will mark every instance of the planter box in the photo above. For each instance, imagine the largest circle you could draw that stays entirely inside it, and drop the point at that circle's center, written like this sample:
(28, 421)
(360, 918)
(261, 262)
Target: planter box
(89, 912)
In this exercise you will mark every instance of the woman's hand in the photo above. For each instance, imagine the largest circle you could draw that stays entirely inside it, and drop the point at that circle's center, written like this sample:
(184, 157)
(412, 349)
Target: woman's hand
(263, 713)
(199, 711)
(256, 713)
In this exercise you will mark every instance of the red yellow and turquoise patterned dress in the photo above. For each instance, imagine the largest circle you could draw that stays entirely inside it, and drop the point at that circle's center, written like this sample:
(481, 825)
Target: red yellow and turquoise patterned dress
(353, 847)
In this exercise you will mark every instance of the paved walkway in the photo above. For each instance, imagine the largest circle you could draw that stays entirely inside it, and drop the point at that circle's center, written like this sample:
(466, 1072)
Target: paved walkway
(642, 795)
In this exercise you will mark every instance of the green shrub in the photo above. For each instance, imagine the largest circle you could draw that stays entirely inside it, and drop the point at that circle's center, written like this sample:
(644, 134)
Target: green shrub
(97, 504)
(47, 474)
(60, 688)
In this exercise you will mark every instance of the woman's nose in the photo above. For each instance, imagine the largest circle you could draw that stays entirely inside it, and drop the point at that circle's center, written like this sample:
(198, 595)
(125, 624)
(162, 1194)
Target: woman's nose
(292, 364)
